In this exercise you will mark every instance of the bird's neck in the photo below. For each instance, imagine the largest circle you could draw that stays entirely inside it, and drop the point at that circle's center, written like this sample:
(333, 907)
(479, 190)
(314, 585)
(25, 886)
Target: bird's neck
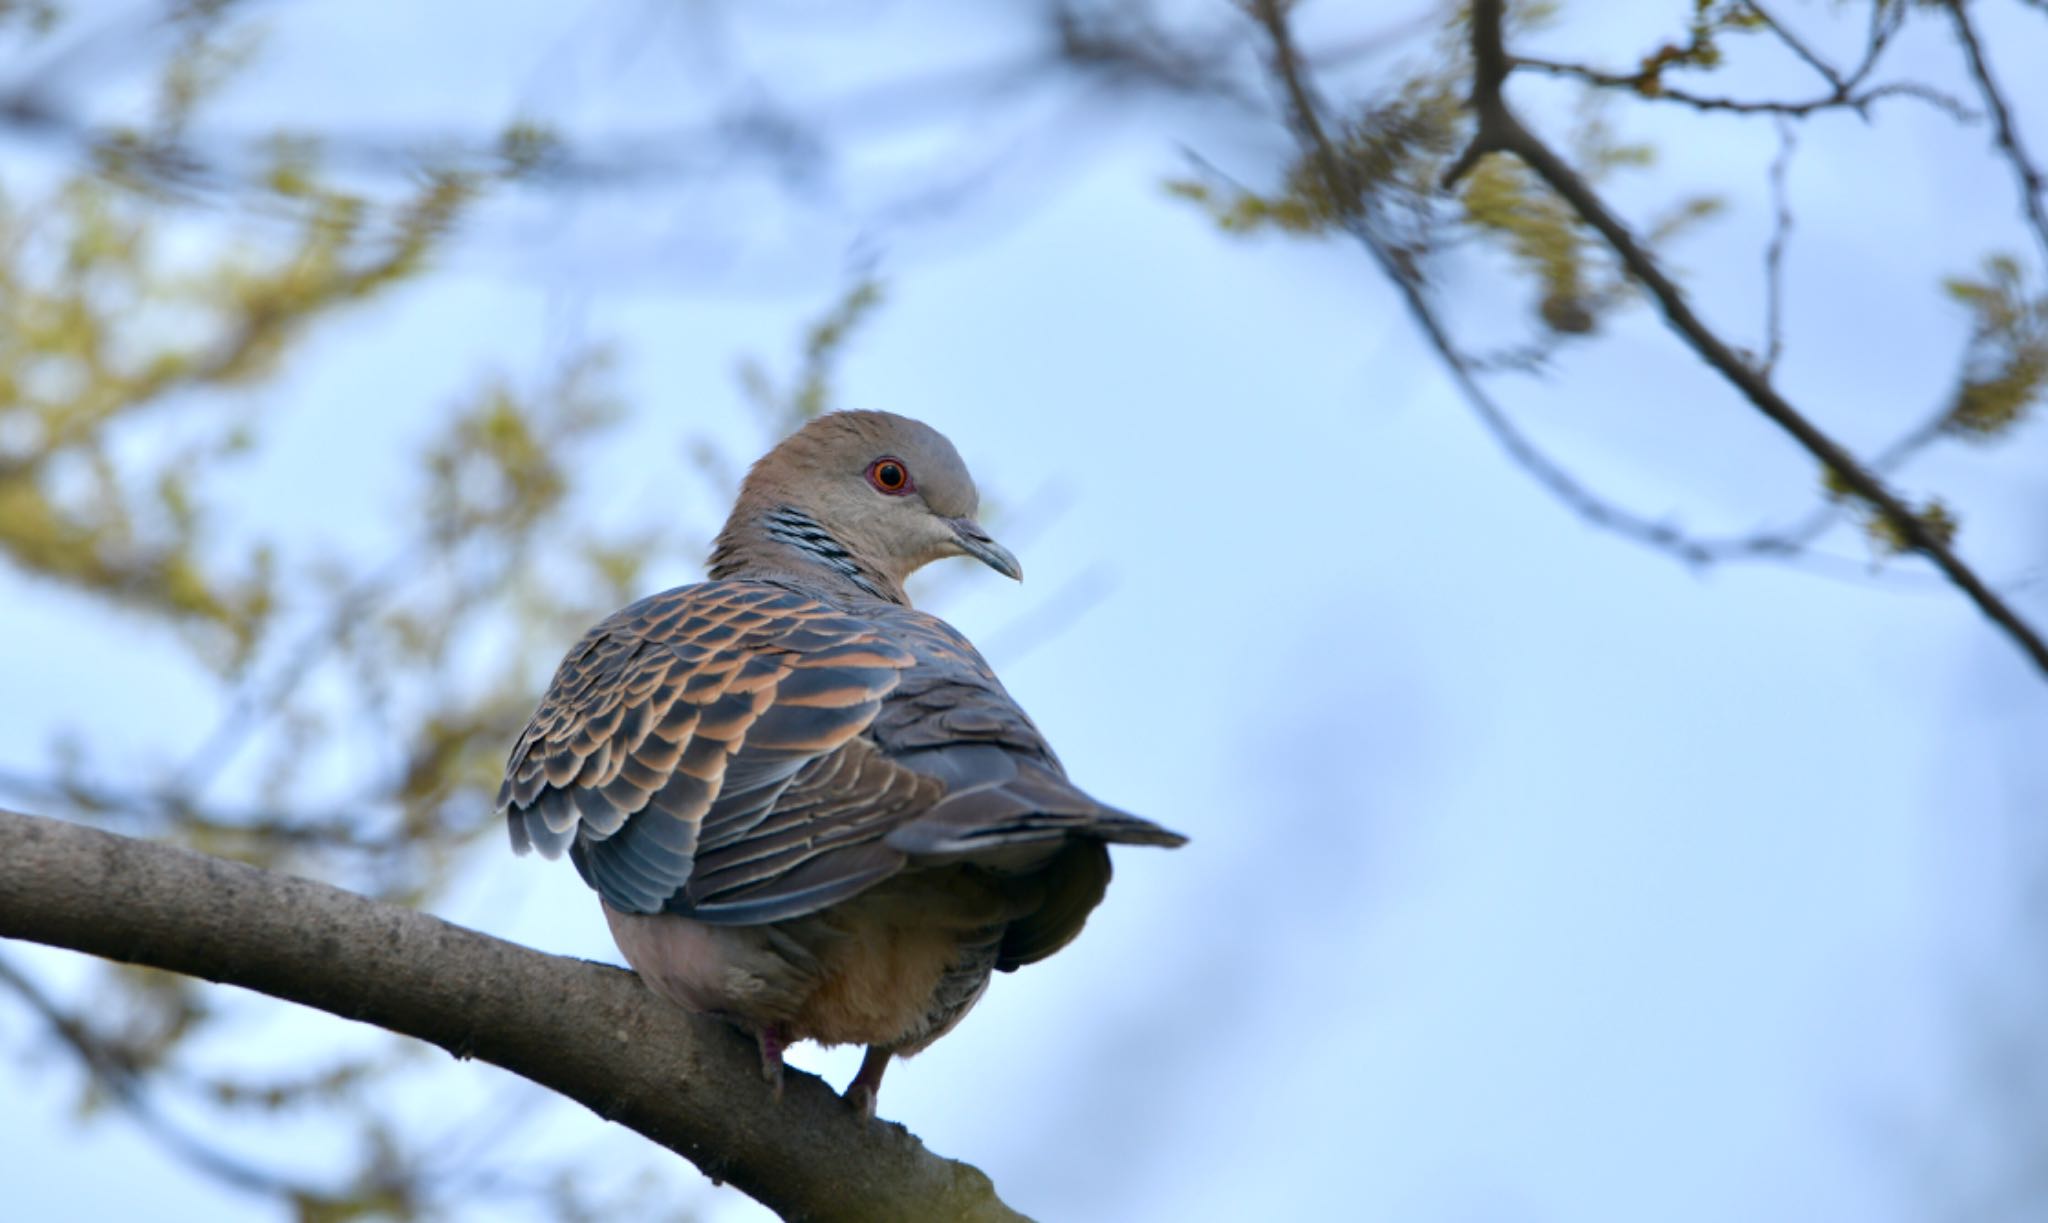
(782, 541)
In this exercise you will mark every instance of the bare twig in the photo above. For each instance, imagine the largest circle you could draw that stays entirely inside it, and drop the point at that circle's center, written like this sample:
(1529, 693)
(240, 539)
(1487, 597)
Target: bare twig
(342, 827)
(1885, 21)
(252, 707)
(1498, 129)
(589, 1032)
(1799, 48)
(1794, 539)
(1774, 254)
(1304, 116)
(2023, 167)
(124, 1087)
(1847, 97)
(1053, 615)
(1845, 92)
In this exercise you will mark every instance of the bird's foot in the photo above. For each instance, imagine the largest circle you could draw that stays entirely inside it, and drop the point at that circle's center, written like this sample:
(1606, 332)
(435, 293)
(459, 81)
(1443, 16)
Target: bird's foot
(773, 1039)
(867, 1085)
(861, 1098)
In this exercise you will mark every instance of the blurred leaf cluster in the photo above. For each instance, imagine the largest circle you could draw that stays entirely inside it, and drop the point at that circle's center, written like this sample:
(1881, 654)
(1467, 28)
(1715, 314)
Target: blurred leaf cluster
(1702, 45)
(2005, 367)
(1393, 153)
(106, 337)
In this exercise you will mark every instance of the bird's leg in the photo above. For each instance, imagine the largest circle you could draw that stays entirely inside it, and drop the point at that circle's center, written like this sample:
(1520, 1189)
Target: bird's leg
(867, 1085)
(773, 1039)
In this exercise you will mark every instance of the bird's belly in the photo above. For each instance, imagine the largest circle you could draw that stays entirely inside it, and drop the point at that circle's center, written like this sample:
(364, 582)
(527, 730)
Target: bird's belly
(732, 971)
(876, 983)
(869, 971)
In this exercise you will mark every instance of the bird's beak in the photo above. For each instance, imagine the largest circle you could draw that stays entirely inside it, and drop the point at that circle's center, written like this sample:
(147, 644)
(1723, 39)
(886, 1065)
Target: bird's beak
(976, 543)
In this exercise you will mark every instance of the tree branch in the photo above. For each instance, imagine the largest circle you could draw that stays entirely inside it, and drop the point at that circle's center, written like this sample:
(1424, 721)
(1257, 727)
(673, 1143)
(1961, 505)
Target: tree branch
(1498, 129)
(2008, 135)
(1799, 48)
(1844, 98)
(1304, 116)
(123, 1085)
(587, 1031)
(1774, 254)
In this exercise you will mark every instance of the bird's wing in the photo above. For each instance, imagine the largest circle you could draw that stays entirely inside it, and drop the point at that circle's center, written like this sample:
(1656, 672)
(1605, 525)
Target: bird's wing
(951, 719)
(698, 752)
(1007, 805)
(742, 753)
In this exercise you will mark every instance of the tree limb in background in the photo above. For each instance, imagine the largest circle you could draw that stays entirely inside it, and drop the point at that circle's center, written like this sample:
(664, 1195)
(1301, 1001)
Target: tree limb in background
(590, 1032)
(2007, 132)
(1774, 253)
(1499, 130)
(122, 1081)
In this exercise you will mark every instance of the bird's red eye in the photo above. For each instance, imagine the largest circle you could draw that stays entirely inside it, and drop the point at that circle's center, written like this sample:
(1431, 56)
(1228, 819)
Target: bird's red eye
(890, 476)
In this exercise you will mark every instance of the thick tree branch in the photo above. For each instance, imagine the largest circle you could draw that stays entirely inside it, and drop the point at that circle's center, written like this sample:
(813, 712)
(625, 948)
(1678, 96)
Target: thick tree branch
(587, 1031)
(1498, 129)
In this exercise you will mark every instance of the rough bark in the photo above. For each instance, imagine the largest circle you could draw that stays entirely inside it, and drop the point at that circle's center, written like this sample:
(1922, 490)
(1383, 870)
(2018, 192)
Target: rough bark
(588, 1031)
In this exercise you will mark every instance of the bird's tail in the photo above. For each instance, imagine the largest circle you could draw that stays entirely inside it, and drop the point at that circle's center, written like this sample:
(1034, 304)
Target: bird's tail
(1033, 807)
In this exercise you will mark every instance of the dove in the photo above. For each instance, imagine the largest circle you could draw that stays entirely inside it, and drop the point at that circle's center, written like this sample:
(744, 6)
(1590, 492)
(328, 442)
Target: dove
(806, 807)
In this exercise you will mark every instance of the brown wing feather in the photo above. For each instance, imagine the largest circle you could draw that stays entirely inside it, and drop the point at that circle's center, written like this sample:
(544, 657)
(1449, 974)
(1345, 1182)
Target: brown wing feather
(741, 753)
(819, 841)
(672, 728)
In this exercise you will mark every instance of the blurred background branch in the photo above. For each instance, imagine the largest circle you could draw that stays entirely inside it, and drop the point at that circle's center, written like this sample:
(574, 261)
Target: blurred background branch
(1926, 530)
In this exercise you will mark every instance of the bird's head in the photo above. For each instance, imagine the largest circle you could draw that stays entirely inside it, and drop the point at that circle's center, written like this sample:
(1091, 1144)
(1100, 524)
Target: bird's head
(859, 491)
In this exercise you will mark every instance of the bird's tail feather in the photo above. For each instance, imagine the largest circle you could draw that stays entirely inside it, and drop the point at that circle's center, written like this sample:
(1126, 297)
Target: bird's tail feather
(1026, 810)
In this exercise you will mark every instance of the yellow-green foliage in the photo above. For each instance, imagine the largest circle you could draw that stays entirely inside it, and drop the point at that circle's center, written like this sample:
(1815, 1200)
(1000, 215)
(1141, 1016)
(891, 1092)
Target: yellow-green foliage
(1502, 198)
(39, 16)
(1388, 158)
(106, 339)
(1886, 534)
(1245, 212)
(1702, 48)
(101, 333)
(1934, 517)
(810, 393)
(528, 147)
(145, 300)
(499, 465)
(2005, 366)
(1576, 277)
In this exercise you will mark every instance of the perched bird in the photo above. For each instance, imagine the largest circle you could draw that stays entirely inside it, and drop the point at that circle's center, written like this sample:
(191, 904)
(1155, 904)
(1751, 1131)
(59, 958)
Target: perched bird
(806, 806)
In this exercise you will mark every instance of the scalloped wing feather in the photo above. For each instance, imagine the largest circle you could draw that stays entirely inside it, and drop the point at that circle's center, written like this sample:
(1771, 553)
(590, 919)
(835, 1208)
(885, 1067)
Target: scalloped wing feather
(674, 725)
(741, 753)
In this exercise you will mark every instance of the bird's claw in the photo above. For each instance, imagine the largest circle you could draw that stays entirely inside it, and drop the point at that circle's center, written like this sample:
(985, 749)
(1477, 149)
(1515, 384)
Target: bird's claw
(861, 1098)
(772, 1042)
(867, 1084)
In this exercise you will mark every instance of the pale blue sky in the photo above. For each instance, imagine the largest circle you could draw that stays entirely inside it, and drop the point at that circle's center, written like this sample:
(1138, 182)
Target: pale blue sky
(1533, 877)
